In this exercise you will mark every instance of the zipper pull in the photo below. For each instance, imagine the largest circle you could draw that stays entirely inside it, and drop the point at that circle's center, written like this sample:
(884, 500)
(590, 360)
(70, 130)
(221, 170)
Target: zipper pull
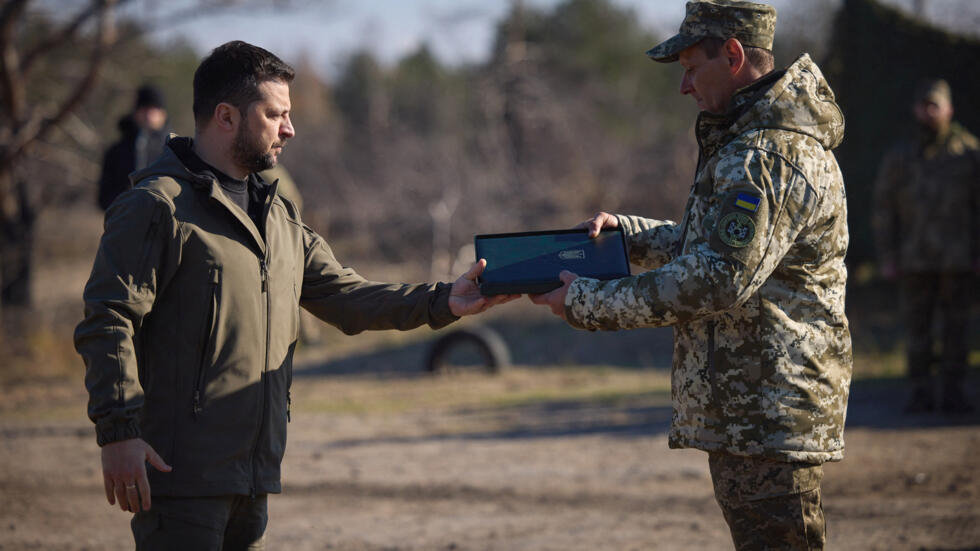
(265, 276)
(197, 403)
(289, 405)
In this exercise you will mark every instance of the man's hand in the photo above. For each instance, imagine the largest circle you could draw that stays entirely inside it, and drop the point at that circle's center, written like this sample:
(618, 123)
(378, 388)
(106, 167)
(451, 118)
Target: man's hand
(124, 473)
(599, 221)
(465, 297)
(556, 299)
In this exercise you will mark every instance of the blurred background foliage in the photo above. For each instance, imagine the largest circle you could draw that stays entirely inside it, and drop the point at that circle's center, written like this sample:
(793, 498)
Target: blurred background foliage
(400, 165)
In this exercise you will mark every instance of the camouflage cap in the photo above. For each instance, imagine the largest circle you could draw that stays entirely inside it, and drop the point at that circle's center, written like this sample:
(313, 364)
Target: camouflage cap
(934, 90)
(752, 24)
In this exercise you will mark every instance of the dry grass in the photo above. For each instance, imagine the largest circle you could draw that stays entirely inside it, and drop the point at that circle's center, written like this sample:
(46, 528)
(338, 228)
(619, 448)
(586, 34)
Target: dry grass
(515, 386)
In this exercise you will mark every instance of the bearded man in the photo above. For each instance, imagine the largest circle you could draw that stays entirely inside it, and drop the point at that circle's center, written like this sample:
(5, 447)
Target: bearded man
(191, 315)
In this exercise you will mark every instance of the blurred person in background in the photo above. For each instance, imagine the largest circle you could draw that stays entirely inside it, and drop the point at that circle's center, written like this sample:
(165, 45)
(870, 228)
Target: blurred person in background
(752, 280)
(144, 132)
(927, 231)
(191, 316)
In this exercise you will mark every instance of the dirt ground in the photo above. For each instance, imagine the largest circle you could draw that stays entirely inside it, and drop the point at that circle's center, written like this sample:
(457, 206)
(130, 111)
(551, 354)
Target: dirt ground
(565, 450)
(536, 458)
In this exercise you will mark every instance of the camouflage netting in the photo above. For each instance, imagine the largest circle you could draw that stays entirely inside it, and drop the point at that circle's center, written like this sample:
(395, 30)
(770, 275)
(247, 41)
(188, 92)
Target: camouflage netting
(877, 56)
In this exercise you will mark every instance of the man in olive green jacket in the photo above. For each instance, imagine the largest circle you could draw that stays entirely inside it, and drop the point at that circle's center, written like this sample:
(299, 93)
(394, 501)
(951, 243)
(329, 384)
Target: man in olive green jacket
(191, 315)
(752, 280)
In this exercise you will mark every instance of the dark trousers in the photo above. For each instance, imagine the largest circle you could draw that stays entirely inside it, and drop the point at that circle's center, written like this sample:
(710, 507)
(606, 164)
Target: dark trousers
(949, 296)
(222, 523)
(769, 504)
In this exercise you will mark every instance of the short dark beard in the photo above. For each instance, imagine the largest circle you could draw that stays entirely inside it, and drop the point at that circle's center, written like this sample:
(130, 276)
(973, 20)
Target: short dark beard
(247, 154)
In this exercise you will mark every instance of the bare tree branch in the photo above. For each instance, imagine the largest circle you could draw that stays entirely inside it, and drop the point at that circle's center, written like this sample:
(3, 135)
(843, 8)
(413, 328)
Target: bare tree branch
(183, 15)
(67, 159)
(64, 35)
(59, 37)
(104, 38)
(13, 100)
(80, 132)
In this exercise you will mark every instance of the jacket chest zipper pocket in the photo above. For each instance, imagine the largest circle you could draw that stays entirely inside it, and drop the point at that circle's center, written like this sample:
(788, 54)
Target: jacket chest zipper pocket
(149, 244)
(209, 338)
(712, 374)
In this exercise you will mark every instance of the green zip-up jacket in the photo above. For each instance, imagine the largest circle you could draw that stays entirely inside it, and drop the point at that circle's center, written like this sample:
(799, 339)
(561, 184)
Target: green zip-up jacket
(191, 317)
(752, 280)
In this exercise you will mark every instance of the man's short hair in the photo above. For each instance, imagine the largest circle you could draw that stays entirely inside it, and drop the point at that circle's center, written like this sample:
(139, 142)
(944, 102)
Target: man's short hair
(934, 90)
(232, 74)
(760, 58)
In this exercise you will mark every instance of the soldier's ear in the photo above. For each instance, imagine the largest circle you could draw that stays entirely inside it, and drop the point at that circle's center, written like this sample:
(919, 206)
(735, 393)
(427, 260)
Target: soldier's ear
(736, 55)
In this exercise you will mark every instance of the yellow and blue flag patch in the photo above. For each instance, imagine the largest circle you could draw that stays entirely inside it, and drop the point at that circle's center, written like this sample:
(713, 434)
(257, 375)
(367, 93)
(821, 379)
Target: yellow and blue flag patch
(747, 202)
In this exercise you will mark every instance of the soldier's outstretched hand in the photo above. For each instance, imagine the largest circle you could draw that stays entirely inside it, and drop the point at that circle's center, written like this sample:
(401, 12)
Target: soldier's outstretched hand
(465, 298)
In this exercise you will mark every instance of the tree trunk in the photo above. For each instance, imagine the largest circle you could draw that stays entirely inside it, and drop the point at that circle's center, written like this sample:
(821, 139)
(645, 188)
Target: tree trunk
(17, 218)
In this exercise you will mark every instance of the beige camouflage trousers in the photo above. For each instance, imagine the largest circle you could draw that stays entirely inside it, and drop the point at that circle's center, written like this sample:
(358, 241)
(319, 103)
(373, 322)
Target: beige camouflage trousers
(769, 504)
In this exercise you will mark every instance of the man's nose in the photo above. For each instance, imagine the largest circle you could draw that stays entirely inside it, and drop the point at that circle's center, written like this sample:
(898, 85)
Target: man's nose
(286, 129)
(686, 87)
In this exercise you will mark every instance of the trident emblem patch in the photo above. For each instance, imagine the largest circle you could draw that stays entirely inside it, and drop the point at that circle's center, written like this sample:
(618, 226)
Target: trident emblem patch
(736, 229)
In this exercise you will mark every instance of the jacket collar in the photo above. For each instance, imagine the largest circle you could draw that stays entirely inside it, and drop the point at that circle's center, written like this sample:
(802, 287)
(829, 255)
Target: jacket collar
(172, 164)
(797, 100)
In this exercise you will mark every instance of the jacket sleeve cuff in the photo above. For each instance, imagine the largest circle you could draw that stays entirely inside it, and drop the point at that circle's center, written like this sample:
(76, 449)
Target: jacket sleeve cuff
(580, 303)
(626, 224)
(439, 314)
(111, 430)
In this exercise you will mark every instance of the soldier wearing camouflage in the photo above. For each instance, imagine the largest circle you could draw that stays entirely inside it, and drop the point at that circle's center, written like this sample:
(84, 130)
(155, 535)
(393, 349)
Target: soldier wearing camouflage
(769, 504)
(927, 232)
(752, 280)
(943, 173)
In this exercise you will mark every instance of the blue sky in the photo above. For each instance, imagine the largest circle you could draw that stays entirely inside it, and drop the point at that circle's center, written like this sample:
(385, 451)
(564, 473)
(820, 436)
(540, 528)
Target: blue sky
(458, 31)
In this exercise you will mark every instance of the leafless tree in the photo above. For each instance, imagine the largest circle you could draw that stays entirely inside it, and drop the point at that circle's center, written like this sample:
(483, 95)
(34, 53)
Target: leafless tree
(28, 120)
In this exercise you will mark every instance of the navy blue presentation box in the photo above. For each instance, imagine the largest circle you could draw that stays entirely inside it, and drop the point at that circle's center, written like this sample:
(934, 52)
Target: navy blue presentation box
(529, 262)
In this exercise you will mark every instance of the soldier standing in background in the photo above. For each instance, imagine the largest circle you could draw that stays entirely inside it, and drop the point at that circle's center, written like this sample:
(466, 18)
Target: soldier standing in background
(144, 132)
(752, 280)
(927, 231)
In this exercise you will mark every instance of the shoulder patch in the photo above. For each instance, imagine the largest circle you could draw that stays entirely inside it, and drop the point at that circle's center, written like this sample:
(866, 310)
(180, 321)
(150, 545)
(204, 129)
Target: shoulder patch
(736, 229)
(747, 202)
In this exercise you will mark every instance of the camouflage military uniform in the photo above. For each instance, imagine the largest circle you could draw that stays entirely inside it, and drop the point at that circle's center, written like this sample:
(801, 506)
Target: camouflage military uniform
(769, 504)
(927, 225)
(752, 281)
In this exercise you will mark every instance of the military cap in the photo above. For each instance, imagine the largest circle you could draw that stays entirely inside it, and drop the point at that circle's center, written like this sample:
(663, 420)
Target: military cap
(752, 24)
(934, 90)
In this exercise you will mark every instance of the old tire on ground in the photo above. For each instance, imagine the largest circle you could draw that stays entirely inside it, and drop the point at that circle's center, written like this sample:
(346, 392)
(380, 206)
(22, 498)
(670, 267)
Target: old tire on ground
(483, 343)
